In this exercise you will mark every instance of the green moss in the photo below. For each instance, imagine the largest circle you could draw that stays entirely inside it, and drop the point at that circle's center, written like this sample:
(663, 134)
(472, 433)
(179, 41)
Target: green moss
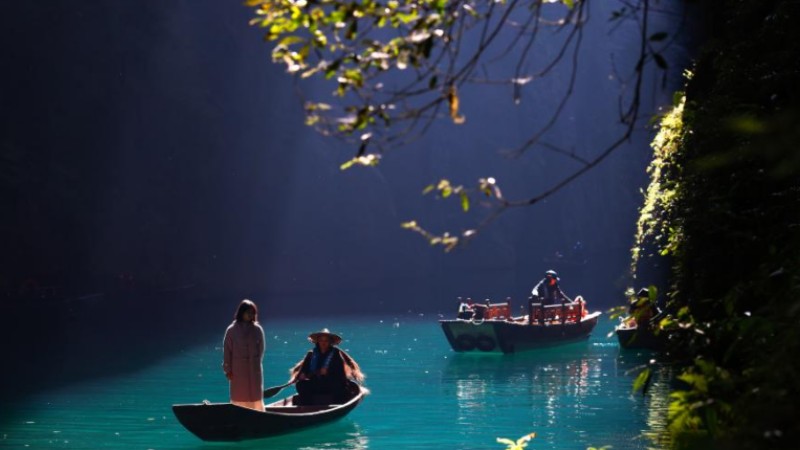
(724, 204)
(656, 229)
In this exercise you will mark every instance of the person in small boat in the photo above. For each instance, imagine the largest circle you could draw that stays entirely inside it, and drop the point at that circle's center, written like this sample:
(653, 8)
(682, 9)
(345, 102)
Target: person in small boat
(642, 310)
(243, 353)
(548, 292)
(323, 373)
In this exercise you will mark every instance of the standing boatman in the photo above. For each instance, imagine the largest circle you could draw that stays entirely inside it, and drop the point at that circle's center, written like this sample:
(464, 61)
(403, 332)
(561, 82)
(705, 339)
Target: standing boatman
(547, 290)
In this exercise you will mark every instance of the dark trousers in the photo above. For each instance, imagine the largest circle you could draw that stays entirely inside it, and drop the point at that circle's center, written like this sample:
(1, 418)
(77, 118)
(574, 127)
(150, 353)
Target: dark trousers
(321, 391)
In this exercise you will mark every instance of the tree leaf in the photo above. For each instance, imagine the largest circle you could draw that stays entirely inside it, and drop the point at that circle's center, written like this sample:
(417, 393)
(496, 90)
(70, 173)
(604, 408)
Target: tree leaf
(642, 381)
(452, 98)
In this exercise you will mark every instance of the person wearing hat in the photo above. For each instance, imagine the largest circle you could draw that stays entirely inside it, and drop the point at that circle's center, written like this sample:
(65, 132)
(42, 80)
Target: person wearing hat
(323, 373)
(643, 310)
(547, 290)
(243, 352)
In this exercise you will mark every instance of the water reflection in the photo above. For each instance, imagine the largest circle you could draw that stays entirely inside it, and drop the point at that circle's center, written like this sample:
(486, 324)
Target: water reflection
(579, 393)
(657, 399)
(470, 393)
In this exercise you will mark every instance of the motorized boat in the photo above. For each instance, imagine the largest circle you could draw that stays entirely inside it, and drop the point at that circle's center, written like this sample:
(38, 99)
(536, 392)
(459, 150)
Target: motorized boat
(229, 422)
(490, 327)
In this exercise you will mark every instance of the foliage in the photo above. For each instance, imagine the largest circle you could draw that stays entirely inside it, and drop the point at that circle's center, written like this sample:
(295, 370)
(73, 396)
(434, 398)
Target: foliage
(447, 241)
(656, 226)
(357, 44)
(519, 444)
(399, 66)
(444, 189)
(725, 207)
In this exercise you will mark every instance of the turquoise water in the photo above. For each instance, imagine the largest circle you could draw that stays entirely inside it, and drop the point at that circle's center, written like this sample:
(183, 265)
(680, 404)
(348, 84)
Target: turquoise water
(424, 396)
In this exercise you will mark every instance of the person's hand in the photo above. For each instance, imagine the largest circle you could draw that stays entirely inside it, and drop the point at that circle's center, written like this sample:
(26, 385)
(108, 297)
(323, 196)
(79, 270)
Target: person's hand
(302, 377)
(323, 371)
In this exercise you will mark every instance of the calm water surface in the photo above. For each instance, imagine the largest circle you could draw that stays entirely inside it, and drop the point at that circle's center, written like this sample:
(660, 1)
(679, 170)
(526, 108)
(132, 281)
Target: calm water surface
(424, 396)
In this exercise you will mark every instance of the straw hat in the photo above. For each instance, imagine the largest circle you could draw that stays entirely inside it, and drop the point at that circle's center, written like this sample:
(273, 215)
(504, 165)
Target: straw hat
(335, 338)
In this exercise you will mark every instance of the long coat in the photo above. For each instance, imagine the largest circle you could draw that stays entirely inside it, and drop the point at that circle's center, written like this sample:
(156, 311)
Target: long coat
(243, 352)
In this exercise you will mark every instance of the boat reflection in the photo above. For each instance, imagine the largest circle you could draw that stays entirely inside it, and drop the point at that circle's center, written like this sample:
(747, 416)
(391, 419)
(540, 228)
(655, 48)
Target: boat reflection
(657, 399)
(589, 388)
(470, 393)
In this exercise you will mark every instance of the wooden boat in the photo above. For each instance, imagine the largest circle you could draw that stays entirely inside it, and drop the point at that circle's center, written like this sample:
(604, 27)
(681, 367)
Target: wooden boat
(228, 422)
(631, 337)
(490, 327)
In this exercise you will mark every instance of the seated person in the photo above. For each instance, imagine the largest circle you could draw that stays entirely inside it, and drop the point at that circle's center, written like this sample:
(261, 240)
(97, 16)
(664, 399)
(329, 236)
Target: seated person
(465, 311)
(642, 310)
(322, 375)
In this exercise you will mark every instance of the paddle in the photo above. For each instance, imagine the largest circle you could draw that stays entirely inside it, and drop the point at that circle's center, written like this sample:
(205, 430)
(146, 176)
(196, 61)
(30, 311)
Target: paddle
(269, 392)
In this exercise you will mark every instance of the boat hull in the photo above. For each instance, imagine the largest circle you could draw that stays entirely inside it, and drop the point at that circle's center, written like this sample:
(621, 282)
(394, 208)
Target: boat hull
(633, 338)
(509, 337)
(228, 422)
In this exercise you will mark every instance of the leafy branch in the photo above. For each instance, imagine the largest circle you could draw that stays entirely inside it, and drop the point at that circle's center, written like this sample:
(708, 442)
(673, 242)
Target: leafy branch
(398, 66)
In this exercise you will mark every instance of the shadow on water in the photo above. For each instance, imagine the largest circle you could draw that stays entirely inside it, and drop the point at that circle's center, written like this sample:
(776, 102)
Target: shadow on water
(344, 435)
(53, 343)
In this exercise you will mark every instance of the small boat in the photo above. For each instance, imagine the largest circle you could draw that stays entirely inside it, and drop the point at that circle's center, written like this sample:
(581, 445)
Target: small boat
(631, 337)
(490, 327)
(228, 422)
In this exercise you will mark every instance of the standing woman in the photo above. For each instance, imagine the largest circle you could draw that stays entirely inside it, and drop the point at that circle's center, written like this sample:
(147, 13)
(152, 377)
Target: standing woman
(242, 356)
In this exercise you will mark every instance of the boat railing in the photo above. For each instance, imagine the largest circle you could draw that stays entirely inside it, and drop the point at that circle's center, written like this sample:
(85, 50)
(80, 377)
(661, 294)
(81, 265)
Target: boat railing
(485, 311)
(498, 311)
(560, 313)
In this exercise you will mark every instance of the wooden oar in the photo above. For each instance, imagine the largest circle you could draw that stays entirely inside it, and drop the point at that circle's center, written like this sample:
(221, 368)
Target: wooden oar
(269, 392)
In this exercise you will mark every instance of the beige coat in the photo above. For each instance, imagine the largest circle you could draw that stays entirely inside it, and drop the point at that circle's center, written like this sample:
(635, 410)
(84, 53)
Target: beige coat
(243, 352)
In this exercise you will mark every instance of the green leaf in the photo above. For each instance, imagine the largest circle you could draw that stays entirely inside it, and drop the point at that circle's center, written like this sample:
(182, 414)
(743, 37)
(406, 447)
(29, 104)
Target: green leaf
(428, 189)
(464, 201)
(569, 3)
(289, 40)
(642, 381)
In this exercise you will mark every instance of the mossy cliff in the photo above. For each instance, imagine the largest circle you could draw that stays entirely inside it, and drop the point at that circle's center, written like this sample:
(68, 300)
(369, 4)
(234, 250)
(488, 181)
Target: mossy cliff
(724, 207)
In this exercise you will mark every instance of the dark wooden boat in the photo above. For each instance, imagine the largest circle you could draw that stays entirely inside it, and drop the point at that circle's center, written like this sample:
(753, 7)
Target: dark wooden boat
(491, 328)
(228, 422)
(631, 337)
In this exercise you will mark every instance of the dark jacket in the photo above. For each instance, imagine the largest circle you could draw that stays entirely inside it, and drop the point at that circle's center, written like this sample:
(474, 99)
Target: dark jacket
(319, 388)
(335, 368)
(549, 295)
